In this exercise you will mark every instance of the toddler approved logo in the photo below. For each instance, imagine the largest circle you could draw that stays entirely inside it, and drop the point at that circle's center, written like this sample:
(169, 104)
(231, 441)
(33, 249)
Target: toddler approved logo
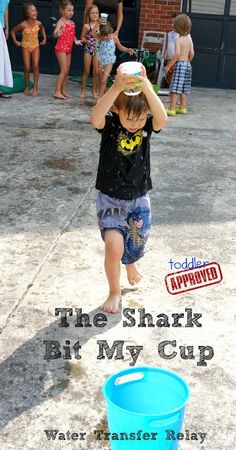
(190, 279)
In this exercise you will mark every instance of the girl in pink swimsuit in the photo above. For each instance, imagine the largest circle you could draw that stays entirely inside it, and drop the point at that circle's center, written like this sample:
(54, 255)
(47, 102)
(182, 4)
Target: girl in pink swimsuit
(65, 34)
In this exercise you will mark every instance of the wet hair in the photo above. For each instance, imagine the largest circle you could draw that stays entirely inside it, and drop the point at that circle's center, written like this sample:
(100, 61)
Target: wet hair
(134, 105)
(88, 11)
(25, 9)
(65, 3)
(105, 30)
(182, 24)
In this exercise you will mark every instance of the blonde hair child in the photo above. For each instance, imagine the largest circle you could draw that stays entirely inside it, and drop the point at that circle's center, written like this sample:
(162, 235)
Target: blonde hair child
(65, 34)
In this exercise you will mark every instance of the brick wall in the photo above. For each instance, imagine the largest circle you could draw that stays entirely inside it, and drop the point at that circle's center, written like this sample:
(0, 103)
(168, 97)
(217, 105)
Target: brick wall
(156, 15)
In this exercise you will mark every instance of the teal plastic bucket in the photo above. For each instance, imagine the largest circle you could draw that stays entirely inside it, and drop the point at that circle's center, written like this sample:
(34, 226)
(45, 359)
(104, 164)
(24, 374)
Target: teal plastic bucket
(145, 408)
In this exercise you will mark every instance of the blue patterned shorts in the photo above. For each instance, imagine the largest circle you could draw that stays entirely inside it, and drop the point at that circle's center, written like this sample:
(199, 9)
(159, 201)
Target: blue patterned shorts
(132, 218)
(181, 78)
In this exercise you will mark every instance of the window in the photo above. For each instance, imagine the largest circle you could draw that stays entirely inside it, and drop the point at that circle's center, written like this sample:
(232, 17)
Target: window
(232, 11)
(207, 7)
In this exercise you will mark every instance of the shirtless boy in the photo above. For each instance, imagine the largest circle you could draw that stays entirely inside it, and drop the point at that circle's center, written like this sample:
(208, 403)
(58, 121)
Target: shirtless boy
(182, 76)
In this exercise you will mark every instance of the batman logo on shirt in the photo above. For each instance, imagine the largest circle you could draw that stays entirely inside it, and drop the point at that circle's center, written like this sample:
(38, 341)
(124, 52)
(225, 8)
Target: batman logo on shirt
(130, 145)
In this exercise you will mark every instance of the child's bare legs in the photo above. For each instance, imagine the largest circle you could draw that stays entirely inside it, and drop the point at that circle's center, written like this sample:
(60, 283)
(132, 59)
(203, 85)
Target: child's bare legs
(95, 86)
(105, 72)
(87, 65)
(26, 59)
(114, 249)
(133, 275)
(35, 66)
(64, 85)
(173, 101)
(62, 60)
(183, 101)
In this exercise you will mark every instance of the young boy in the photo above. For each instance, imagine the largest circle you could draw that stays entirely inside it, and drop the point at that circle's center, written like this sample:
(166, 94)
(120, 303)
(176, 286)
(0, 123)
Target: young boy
(170, 48)
(182, 76)
(123, 178)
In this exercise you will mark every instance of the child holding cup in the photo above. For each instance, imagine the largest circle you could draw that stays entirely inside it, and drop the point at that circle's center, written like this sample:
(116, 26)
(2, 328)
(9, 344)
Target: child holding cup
(123, 177)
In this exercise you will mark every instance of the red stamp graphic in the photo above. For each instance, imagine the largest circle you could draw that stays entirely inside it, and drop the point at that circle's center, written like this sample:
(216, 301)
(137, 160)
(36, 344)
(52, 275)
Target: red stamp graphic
(187, 280)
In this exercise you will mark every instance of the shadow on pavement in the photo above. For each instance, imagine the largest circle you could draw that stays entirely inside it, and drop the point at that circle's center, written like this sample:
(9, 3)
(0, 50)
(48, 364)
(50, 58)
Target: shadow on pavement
(27, 380)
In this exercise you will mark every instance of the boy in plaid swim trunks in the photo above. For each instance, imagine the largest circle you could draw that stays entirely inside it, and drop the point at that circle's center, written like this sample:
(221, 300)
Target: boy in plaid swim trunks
(123, 178)
(182, 76)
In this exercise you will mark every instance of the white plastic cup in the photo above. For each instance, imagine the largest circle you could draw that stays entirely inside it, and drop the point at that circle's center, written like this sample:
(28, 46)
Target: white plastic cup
(104, 17)
(131, 68)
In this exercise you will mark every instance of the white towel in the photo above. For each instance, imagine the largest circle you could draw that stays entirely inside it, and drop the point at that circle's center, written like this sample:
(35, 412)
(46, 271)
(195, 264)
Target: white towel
(5, 64)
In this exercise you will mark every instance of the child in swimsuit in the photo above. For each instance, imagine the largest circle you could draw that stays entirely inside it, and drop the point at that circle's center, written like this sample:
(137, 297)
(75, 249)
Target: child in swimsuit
(90, 49)
(65, 34)
(30, 29)
(108, 41)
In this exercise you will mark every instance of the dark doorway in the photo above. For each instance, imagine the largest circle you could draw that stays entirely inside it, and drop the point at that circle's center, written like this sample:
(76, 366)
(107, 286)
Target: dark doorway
(49, 9)
(214, 37)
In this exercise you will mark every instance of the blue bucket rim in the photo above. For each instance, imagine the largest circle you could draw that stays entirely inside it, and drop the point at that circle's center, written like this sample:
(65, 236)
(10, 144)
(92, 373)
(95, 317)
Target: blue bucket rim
(146, 368)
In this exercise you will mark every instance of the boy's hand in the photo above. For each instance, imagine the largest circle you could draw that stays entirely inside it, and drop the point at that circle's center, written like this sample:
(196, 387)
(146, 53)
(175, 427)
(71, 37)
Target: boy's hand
(122, 81)
(125, 81)
(141, 82)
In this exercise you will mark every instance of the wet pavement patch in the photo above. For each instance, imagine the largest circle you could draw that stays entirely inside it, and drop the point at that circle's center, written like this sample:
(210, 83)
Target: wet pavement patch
(22, 133)
(43, 141)
(76, 190)
(63, 164)
(59, 182)
(86, 173)
(52, 124)
(75, 370)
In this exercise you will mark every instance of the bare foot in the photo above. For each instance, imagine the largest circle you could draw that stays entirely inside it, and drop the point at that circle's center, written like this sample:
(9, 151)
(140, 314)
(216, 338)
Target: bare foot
(35, 93)
(60, 96)
(133, 275)
(94, 95)
(111, 304)
(26, 91)
(82, 94)
(66, 95)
